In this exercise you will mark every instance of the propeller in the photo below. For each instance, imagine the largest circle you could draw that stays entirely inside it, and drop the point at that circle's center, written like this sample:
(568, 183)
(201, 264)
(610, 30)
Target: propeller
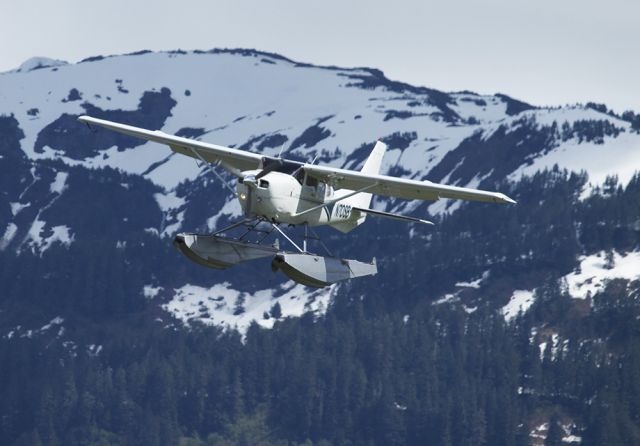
(271, 165)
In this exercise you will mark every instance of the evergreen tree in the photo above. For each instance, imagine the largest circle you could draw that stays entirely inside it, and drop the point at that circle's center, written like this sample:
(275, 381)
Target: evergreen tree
(276, 311)
(555, 432)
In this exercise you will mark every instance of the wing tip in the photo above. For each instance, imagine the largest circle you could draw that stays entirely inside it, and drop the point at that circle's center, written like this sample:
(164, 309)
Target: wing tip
(506, 199)
(86, 119)
(502, 198)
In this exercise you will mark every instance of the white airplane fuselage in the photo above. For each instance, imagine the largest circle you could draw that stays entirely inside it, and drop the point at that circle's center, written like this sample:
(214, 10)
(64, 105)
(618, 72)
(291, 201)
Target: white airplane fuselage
(280, 197)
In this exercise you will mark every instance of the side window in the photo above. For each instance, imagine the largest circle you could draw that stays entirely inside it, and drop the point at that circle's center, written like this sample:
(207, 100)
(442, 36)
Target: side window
(311, 182)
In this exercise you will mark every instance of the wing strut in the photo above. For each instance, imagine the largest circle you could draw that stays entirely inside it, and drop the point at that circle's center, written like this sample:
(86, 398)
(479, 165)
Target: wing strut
(275, 226)
(215, 172)
(392, 216)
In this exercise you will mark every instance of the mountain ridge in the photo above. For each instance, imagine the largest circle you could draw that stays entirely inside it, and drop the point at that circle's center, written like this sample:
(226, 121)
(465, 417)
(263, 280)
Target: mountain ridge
(50, 63)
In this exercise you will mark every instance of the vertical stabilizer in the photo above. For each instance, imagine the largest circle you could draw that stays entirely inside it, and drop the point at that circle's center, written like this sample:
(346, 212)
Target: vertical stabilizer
(362, 200)
(373, 163)
(371, 166)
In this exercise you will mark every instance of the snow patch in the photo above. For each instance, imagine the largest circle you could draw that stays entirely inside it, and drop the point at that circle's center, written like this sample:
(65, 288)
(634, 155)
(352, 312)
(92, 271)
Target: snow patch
(17, 207)
(8, 235)
(94, 350)
(169, 201)
(34, 232)
(30, 333)
(474, 284)
(223, 305)
(399, 406)
(540, 432)
(446, 298)
(59, 234)
(542, 347)
(596, 270)
(173, 227)
(55, 321)
(59, 183)
(519, 302)
(555, 346)
(149, 291)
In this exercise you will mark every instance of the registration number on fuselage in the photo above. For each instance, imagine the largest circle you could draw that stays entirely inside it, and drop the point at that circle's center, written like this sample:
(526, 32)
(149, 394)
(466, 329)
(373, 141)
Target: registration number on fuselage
(342, 211)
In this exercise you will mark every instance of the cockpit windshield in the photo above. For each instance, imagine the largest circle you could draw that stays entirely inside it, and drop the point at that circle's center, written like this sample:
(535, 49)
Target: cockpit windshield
(284, 166)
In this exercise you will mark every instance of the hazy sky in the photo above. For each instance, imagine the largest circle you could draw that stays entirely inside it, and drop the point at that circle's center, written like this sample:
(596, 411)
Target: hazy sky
(544, 52)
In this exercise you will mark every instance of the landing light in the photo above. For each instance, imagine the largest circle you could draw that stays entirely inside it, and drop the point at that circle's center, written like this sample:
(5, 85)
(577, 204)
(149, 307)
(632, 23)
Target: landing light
(243, 196)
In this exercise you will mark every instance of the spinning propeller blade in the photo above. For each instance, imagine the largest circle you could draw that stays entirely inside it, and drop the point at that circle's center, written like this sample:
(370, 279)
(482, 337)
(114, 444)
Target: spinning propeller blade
(269, 165)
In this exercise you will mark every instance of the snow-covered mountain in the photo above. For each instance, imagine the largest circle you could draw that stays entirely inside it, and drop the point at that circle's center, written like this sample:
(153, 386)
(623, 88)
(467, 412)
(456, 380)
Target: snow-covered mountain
(89, 274)
(59, 176)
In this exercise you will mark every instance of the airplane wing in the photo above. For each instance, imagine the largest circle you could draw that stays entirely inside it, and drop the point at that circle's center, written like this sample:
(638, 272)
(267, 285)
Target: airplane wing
(230, 158)
(399, 187)
(238, 160)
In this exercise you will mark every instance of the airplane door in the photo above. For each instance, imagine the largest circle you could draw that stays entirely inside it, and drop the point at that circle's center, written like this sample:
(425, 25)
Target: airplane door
(312, 189)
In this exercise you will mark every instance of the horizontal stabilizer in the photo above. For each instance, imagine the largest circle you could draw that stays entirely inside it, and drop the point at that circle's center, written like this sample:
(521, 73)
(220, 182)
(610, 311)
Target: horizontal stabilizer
(393, 216)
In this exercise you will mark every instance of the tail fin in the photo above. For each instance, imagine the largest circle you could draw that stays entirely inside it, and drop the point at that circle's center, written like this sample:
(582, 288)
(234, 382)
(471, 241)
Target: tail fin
(362, 200)
(373, 163)
(371, 166)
